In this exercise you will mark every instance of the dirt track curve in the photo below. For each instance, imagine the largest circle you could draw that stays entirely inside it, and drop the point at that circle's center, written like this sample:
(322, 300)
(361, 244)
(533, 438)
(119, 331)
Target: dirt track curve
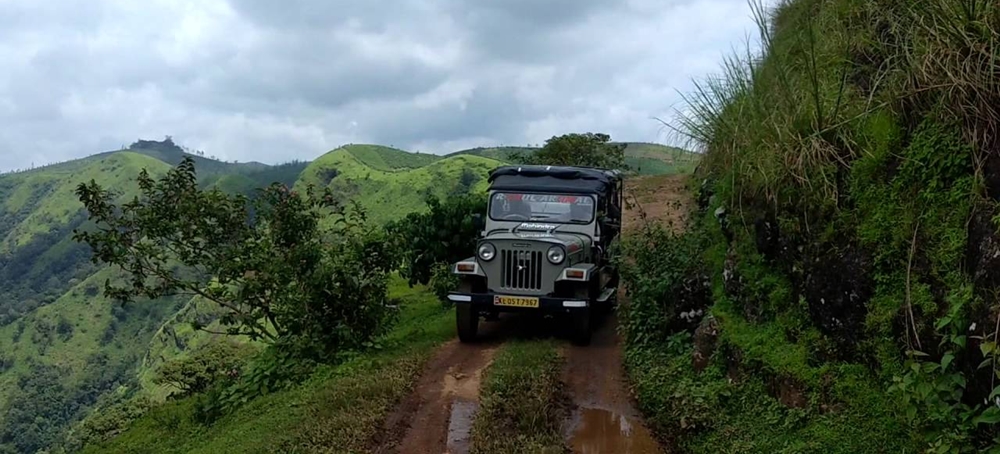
(436, 417)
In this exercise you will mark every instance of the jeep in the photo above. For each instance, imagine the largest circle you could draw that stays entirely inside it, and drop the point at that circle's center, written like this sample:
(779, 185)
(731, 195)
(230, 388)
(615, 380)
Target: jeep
(547, 246)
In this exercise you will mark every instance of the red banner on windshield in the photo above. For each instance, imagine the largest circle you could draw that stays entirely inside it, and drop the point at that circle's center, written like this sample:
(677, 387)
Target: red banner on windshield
(574, 200)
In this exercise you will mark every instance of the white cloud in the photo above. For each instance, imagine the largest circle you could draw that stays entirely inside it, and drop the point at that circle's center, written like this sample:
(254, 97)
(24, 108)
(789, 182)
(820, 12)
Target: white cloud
(272, 81)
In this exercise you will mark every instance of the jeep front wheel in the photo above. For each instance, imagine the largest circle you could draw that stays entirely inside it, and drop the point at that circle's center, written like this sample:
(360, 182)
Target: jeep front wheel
(467, 321)
(581, 326)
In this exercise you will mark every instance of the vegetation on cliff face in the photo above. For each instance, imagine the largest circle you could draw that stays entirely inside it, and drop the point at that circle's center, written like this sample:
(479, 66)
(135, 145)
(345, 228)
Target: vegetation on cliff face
(839, 285)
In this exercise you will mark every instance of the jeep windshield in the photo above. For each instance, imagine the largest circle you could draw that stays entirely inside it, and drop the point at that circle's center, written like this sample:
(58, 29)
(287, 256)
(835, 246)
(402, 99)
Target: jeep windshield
(556, 208)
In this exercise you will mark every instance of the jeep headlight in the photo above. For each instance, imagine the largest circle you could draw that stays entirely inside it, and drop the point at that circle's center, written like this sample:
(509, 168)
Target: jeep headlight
(487, 251)
(556, 255)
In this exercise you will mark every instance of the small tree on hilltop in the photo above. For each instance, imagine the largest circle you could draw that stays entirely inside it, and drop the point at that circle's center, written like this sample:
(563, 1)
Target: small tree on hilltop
(588, 150)
(271, 265)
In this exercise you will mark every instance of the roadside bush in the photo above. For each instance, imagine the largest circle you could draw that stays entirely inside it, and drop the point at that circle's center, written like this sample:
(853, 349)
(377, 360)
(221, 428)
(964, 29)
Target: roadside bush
(108, 422)
(667, 284)
(443, 281)
(204, 367)
(444, 234)
(274, 369)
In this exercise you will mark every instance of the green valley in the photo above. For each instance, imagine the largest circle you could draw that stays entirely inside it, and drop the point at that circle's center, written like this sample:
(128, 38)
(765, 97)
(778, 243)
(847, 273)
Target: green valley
(71, 358)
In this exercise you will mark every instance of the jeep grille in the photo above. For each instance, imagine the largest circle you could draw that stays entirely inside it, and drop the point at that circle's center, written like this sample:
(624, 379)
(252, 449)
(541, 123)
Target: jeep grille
(521, 270)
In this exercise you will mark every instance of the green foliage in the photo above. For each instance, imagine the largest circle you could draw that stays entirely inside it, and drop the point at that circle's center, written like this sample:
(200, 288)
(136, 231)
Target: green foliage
(519, 401)
(108, 422)
(666, 278)
(274, 370)
(204, 367)
(865, 130)
(277, 273)
(443, 280)
(444, 234)
(932, 391)
(588, 150)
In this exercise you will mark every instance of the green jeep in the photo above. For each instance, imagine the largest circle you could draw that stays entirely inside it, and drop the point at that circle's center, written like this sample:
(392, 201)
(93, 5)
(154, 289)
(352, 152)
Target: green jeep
(547, 246)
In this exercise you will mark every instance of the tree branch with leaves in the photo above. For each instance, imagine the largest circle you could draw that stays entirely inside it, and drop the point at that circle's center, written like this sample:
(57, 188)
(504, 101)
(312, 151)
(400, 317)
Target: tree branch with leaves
(276, 268)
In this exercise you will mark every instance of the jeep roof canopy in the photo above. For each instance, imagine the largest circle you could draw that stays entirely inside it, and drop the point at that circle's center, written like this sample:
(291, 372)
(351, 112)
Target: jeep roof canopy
(558, 179)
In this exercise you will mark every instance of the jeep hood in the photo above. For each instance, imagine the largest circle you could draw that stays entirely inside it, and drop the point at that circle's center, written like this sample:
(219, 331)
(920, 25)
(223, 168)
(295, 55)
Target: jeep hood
(573, 242)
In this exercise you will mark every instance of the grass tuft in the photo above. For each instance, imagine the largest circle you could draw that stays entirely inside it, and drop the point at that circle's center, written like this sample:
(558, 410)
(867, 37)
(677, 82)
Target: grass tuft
(521, 410)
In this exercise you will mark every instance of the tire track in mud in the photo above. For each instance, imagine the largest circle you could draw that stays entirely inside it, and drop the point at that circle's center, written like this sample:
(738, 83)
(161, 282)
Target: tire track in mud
(602, 418)
(437, 415)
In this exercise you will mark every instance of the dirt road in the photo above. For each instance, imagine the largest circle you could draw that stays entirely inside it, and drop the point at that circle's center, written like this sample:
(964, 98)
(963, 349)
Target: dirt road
(437, 415)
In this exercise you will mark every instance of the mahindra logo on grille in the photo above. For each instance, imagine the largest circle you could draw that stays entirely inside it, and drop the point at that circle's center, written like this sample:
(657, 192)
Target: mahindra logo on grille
(521, 245)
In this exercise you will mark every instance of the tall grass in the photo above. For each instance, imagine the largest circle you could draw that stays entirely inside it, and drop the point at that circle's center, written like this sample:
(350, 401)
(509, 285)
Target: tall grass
(781, 119)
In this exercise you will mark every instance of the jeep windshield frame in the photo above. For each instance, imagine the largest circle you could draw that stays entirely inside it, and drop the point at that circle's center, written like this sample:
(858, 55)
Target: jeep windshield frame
(533, 206)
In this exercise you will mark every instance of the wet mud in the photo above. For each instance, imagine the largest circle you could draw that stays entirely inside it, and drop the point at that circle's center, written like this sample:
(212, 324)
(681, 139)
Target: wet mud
(437, 415)
(603, 418)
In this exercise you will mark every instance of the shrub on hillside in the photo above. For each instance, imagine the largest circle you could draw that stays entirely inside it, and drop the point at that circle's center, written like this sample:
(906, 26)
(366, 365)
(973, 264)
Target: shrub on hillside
(667, 284)
(204, 367)
(444, 234)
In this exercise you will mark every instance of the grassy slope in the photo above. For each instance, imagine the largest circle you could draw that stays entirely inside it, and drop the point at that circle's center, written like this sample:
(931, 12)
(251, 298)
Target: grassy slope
(103, 344)
(389, 194)
(389, 159)
(340, 407)
(42, 200)
(643, 158)
(867, 167)
(498, 153)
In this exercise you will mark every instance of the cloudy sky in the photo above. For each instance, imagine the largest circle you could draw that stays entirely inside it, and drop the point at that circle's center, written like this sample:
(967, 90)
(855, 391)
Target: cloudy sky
(272, 81)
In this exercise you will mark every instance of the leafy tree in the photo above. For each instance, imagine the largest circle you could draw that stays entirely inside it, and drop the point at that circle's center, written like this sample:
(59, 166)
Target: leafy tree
(587, 150)
(445, 233)
(204, 367)
(279, 273)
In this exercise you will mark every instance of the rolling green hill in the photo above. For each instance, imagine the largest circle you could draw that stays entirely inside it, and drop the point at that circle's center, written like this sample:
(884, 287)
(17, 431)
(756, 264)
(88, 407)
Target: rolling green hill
(63, 346)
(394, 190)
(641, 157)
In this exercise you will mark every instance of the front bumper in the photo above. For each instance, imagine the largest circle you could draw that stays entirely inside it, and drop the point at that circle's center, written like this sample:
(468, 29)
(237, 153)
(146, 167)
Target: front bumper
(486, 302)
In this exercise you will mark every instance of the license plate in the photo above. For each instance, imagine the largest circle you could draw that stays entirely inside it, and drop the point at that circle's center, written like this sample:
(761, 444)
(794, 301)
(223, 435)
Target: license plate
(516, 301)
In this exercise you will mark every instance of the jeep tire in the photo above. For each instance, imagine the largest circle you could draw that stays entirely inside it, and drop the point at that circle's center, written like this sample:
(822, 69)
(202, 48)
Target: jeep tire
(467, 322)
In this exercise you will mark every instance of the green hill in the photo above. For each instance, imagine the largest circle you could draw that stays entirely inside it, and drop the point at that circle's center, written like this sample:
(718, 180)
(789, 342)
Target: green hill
(642, 158)
(656, 159)
(63, 346)
(497, 153)
(394, 191)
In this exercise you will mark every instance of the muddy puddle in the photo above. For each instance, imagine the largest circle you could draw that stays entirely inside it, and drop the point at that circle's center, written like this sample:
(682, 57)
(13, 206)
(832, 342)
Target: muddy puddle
(463, 413)
(595, 430)
(462, 392)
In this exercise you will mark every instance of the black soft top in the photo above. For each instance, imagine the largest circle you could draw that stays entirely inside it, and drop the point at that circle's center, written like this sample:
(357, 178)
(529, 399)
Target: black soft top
(560, 179)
